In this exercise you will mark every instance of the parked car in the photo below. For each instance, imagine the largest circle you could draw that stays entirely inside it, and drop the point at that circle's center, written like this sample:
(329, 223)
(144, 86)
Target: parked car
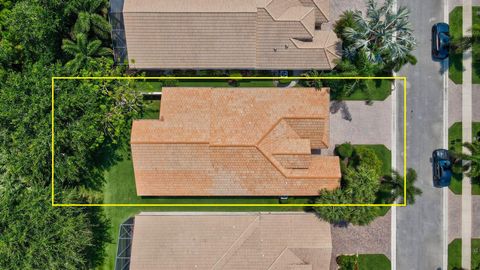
(442, 168)
(440, 41)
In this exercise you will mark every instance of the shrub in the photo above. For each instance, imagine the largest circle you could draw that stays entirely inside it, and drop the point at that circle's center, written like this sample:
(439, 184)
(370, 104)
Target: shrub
(346, 262)
(365, 157)
(345, 150)
(169, 83)
(284, 81)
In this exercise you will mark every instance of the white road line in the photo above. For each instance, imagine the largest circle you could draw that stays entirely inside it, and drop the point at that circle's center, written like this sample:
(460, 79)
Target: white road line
(446, 11)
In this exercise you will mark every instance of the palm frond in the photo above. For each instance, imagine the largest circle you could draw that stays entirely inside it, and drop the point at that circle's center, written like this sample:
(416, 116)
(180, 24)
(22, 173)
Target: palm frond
(100, 26)
(82, 25)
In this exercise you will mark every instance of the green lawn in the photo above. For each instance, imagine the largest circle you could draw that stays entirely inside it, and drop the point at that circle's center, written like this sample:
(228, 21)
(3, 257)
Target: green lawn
(378, 89)
(476, 48)
(155, 86)
(151, 109)
(455, 143)
(455, 59)
(455, 254)
(366, 262)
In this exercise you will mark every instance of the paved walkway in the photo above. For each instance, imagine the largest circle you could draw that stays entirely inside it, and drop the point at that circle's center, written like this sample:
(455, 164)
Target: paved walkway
(455, 216)
(455, 103)
(467, 137)
(359, 123)
(455, 3)
(371, 239)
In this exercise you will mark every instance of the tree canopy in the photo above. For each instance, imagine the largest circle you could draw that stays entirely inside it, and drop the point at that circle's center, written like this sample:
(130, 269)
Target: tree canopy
(35, 235)
(92, 119)
(384, 34)
(360, 184)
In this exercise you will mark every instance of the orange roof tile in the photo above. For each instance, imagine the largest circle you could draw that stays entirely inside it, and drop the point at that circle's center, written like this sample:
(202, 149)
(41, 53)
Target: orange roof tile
(235, 142)
(238, 241)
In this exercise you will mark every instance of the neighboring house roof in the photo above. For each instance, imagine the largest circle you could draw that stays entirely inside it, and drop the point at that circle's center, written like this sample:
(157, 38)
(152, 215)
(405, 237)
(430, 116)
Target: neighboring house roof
(235, 142)
(233, 34)
(233, 241)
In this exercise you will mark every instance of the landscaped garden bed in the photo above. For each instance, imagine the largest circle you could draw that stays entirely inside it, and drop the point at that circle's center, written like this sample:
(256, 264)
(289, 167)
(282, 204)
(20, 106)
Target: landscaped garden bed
(455, 145)
(455, 59)
(363, 262)
(455, 254)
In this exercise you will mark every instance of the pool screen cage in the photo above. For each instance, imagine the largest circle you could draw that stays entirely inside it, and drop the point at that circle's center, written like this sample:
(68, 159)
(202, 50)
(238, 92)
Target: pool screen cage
(124, 248)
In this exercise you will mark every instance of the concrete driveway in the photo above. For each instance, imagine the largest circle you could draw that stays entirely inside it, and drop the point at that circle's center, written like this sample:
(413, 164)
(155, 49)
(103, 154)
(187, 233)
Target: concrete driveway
(371, 239)
(369, 124)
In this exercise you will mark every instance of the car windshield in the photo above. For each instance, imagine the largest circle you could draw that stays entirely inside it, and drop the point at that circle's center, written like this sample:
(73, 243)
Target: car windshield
(445, 164)
(444, 39)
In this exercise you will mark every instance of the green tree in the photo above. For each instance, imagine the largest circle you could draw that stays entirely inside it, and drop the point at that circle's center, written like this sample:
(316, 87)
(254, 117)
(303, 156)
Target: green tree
(471, 160)
(5, 8)
(384, 34)
(460, 44)
(316, 83)
(346, 19)
(91, 118)
(345, 150)
(91, 17)
(360, 187)
(365, 157)
(394, 187)
(357, 66)
(83, 51)
(30, 33)
(35, 235)
(346, 262)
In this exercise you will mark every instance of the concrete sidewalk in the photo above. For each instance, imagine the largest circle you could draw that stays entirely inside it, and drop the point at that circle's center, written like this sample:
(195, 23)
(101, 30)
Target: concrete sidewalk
(467, 137)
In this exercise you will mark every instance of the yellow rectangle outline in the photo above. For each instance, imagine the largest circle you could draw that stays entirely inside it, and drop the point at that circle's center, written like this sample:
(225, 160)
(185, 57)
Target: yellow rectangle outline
(403, 78)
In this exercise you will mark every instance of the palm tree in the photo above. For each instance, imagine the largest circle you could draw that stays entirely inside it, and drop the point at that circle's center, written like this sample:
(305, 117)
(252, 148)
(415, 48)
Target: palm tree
(385, 34)
(460, 44)
(83, 51)
(91, 17)
(471, 160)
(395, 185)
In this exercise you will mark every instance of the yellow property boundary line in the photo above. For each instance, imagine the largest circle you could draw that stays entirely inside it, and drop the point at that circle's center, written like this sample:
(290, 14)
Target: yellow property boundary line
(402, 78)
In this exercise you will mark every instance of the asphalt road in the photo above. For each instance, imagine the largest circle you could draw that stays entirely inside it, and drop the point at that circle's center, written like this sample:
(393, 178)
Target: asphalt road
(419, 227)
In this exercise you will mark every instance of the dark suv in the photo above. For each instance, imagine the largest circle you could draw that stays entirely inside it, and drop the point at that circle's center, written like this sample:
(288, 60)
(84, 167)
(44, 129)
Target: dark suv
(440, 41)
(442, 168)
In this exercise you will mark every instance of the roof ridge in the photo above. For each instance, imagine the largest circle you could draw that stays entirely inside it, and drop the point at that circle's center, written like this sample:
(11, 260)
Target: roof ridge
(320, 9)
(283, 253)
(301, 20)
(281, 169)
(240, 240)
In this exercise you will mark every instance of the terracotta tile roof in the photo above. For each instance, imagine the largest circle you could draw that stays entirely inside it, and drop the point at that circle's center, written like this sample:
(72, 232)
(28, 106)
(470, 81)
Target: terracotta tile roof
(235, 142)
(233, 241)
(234, 34)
